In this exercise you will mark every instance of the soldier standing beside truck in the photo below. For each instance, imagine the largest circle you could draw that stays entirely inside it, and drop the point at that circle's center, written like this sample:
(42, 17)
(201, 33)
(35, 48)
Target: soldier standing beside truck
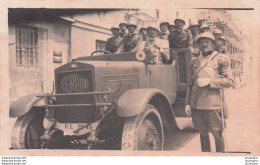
(210, 73)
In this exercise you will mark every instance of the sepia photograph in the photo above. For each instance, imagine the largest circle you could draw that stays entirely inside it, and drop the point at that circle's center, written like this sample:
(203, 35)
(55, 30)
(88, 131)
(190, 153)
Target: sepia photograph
(143, 80)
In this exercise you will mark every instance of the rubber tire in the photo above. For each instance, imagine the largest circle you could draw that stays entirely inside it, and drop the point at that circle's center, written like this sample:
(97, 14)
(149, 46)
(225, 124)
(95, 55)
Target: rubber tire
(132, 126)
(31, 121)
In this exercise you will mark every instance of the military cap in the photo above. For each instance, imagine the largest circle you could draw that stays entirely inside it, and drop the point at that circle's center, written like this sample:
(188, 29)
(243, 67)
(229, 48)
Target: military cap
(180, 20)
(164, 22)
(131, 23)
(122, 23)
(152, 27)
(201, 19)
(206, 35)
(174, 26)
(193, 24)
(217, 31)
(204, 26)
(143, 27)
(222, 38)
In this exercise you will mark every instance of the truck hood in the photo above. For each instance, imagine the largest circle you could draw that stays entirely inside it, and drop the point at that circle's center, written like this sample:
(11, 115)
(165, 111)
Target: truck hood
(116, 66)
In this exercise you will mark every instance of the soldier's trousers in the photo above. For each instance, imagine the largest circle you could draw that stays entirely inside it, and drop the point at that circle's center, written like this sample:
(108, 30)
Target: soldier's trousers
(209, 121)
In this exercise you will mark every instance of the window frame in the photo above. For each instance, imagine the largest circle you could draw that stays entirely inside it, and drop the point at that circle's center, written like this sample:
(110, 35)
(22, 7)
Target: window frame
(100, 44)
(26, 46)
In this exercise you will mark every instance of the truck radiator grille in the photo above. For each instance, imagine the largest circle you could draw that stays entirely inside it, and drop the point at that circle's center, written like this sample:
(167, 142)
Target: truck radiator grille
(74, 82)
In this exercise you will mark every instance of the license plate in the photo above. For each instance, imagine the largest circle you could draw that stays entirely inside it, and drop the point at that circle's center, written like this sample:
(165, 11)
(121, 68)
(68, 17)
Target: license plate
(73, 126)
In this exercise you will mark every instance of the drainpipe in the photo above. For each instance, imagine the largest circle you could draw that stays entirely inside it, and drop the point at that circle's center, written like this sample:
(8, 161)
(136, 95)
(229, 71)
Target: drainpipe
(69, 51)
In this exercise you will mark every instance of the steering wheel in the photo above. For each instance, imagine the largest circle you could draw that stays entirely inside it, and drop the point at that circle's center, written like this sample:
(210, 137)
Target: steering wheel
(99, 51)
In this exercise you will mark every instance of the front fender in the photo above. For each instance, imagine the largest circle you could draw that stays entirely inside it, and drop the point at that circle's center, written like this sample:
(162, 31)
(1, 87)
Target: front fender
(24, 104)
(134, 101)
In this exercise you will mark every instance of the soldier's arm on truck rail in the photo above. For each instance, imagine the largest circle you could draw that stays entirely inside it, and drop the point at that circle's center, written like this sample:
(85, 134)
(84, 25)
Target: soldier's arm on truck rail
(225, 79)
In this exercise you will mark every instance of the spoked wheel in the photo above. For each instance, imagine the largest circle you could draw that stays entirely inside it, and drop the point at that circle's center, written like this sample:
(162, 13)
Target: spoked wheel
(144, 131)
(27, 130)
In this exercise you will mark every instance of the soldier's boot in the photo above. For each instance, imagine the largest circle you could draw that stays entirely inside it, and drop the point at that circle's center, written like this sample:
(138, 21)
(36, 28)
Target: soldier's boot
(205, 143)
(220, 143)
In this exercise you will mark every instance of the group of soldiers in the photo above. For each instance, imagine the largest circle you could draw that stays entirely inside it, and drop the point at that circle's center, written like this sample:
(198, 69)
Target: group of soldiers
(162, 41)
(209, 72)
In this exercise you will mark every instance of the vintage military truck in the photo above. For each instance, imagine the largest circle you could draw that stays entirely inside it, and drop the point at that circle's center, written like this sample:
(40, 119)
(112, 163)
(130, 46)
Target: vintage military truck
(104, 101)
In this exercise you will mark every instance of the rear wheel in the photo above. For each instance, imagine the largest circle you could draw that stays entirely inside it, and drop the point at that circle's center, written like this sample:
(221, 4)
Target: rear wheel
(27, 130)
(143, 131)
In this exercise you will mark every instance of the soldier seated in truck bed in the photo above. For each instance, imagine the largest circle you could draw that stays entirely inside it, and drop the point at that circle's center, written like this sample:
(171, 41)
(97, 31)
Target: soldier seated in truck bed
(155, 49)
(131, 39)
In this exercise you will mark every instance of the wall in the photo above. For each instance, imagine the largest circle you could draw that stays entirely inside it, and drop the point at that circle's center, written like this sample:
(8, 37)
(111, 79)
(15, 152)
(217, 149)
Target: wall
(83, 40)
(103, 18)
(24, 80)
(52, 36)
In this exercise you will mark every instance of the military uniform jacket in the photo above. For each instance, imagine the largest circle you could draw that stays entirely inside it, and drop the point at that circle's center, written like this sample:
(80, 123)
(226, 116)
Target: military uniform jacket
(144, 37)
(223, 50)
(130, 41)
(113, 44)
(180, 39)
(208, 97)
(122, 34)
(194, 37)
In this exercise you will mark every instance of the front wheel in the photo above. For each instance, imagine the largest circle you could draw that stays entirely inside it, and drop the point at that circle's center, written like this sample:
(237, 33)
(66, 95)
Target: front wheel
(27, 130)
(143, 131)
